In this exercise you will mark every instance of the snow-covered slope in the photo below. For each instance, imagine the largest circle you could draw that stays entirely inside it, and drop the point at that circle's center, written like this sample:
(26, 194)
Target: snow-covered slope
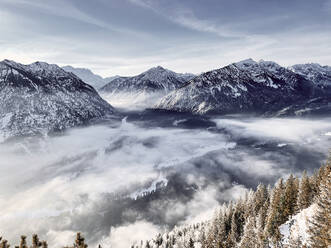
(320, 75)
(246, 86)
(296, 229)
(155, 79)
(89, 77)
(39, 98)
(144, 89)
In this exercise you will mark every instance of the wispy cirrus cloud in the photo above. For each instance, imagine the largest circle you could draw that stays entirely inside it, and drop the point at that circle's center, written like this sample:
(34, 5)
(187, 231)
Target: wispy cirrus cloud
(186, 17)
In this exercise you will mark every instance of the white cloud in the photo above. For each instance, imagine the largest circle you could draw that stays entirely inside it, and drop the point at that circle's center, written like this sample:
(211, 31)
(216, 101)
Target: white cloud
(129, 234)
(293, 130)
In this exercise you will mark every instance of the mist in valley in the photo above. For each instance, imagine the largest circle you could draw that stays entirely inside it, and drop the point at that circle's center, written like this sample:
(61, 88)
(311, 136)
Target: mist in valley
(120, 183)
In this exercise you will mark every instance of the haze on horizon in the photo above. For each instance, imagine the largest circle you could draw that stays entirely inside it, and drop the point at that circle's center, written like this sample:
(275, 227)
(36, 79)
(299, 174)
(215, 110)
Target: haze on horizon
(126, 37)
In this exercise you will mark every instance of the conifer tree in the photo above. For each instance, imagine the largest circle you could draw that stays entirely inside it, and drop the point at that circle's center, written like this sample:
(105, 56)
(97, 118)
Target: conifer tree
(45, 245)
(35, 241)
(305, 192)
(23, 243)
(249, 239)
(290, 197)
(80, 241)
(316, 179)
(320, 229)
(260, 225)
(260, 197)
(4, 244)
(191, 243)
(221, 236)
(295, 242)
(213, 234)
(234, 236)
(275, 213)
(159, 239)
(202, 238)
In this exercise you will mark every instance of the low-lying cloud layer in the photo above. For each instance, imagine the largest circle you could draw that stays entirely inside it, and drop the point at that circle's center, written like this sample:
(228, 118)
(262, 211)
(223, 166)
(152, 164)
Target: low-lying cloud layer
(85, 180)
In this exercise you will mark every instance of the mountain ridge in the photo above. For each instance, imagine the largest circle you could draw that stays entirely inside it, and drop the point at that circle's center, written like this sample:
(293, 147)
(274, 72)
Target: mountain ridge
(154, 79)
(88, 76)
(245, 86)
(40, 98)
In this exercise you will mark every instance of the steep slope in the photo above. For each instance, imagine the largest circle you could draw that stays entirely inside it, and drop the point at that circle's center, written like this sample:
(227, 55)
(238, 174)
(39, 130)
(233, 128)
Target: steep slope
(144, 89)
(320, 75)
(246, 86)
(88, 76)
(39, 98)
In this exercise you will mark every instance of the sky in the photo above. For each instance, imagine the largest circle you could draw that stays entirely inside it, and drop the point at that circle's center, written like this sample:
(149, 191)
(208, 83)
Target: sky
(126, 37)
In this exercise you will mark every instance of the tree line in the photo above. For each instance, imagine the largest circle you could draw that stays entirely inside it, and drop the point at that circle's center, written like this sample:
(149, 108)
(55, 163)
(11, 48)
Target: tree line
(254, 221)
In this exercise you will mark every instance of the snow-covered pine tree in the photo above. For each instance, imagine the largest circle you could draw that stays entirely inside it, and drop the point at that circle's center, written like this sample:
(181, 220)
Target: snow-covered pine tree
(320, 229)
(260, 225)
(23, 243)
(260, 197)
(213, 232)
(249, 238)
(295, 241)
(35, 241)
(290, 197)
(305, 192)
(275, 213)
(221, 232)
(4, 243)
(190, 243)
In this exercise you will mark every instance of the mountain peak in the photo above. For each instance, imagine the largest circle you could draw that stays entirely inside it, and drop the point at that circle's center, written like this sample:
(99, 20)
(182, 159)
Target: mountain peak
(8, 62)
(158, 69)
(248, 61)
(43, 66)
(36, 67)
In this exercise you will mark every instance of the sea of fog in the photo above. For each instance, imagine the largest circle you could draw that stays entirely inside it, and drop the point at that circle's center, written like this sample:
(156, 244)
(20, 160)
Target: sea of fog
(123, 182)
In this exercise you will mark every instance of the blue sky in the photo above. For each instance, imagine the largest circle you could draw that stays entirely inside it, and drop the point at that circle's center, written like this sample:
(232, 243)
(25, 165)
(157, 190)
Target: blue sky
(129, 36)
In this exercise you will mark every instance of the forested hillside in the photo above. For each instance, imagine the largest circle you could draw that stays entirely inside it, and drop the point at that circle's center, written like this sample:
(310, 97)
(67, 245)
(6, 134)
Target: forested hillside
(251, 222)
(254, 222)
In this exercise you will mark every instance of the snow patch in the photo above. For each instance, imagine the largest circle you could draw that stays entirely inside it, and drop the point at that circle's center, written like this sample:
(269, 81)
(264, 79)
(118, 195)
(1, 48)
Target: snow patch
(297, 227)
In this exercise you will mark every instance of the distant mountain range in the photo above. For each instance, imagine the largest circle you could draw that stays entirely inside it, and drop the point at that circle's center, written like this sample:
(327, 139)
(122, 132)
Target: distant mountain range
(89, 77)
(40, 98)
(254, 87)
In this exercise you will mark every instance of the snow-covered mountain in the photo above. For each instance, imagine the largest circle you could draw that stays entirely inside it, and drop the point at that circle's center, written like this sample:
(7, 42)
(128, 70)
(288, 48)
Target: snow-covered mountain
(40, 98)
(89, 77)
(145, 89)
(320, 75)
(155, 79)
(246, 86)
